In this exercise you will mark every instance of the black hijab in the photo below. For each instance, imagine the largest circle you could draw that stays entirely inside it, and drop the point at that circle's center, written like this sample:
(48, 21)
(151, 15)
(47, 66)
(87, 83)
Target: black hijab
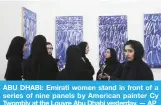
(138, 50)
(82, 47)
(113, 59)
(73, 58)
(132, 66)
(16, 47)
(38, 51)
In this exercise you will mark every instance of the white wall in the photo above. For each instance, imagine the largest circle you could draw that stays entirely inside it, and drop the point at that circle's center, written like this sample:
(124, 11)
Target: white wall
(90, 10)
(10, 21)
(73, 8)
(10, 26)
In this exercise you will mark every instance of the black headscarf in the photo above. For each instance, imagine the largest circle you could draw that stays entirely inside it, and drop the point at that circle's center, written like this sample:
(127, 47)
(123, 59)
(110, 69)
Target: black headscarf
(16, 47)
(82, 47)
(38, 48)
(131, 67)
(138, 49)
(38, 51)
(113, 59)
(73, 64)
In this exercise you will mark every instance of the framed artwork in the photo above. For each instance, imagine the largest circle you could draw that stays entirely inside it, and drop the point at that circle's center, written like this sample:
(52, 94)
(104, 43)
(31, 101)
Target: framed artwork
(28, 28)
(112, 34)
(69, 31)
(152, 39)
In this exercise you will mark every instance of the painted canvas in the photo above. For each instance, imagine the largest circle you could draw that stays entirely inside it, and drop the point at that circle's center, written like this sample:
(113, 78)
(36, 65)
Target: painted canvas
(152, 39)
(28, 28)
(112, 34)
(69, 31)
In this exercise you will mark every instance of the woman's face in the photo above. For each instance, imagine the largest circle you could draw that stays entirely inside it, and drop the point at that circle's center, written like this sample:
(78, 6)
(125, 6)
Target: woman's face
(49, 49)
(87, 49)
(24, 47)
(107, 54)
(129, 53)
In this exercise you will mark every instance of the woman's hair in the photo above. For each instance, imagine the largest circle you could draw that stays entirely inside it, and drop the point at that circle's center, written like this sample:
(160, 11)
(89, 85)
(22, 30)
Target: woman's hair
(38, 51)
(16, 47)
(73, 61)
(82, 47)
(138, 48)
(113, 58)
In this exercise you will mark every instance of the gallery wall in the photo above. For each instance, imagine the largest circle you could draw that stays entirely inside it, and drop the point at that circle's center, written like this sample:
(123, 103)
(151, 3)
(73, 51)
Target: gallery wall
(91, 10)
(11, 26)
(47, 10)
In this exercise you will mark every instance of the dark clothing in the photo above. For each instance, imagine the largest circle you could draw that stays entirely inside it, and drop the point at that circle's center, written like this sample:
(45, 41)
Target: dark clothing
(67, 75)
(16, 47)
(85, 72)
(62, 75)
(47, 69)
(137, 70)
(108, 69)
(87, 69)
(14, 70)
(76, 68)
(14, 56)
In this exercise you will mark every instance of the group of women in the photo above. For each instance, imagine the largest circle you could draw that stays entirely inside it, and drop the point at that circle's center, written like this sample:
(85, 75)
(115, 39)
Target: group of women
(40, 65)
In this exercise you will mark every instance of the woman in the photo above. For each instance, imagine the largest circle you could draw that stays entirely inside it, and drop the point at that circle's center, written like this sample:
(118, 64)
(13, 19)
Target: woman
(134, 68)
(73, 66)
(110, 66)
(49, 48)
(86, 63)
(15, 57)
(40, 65)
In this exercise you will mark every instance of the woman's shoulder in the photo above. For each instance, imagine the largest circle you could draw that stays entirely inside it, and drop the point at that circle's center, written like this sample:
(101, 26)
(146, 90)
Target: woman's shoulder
(146, 71)
(145, 65)
(49, 58)
(118, 64)
(15, 59)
